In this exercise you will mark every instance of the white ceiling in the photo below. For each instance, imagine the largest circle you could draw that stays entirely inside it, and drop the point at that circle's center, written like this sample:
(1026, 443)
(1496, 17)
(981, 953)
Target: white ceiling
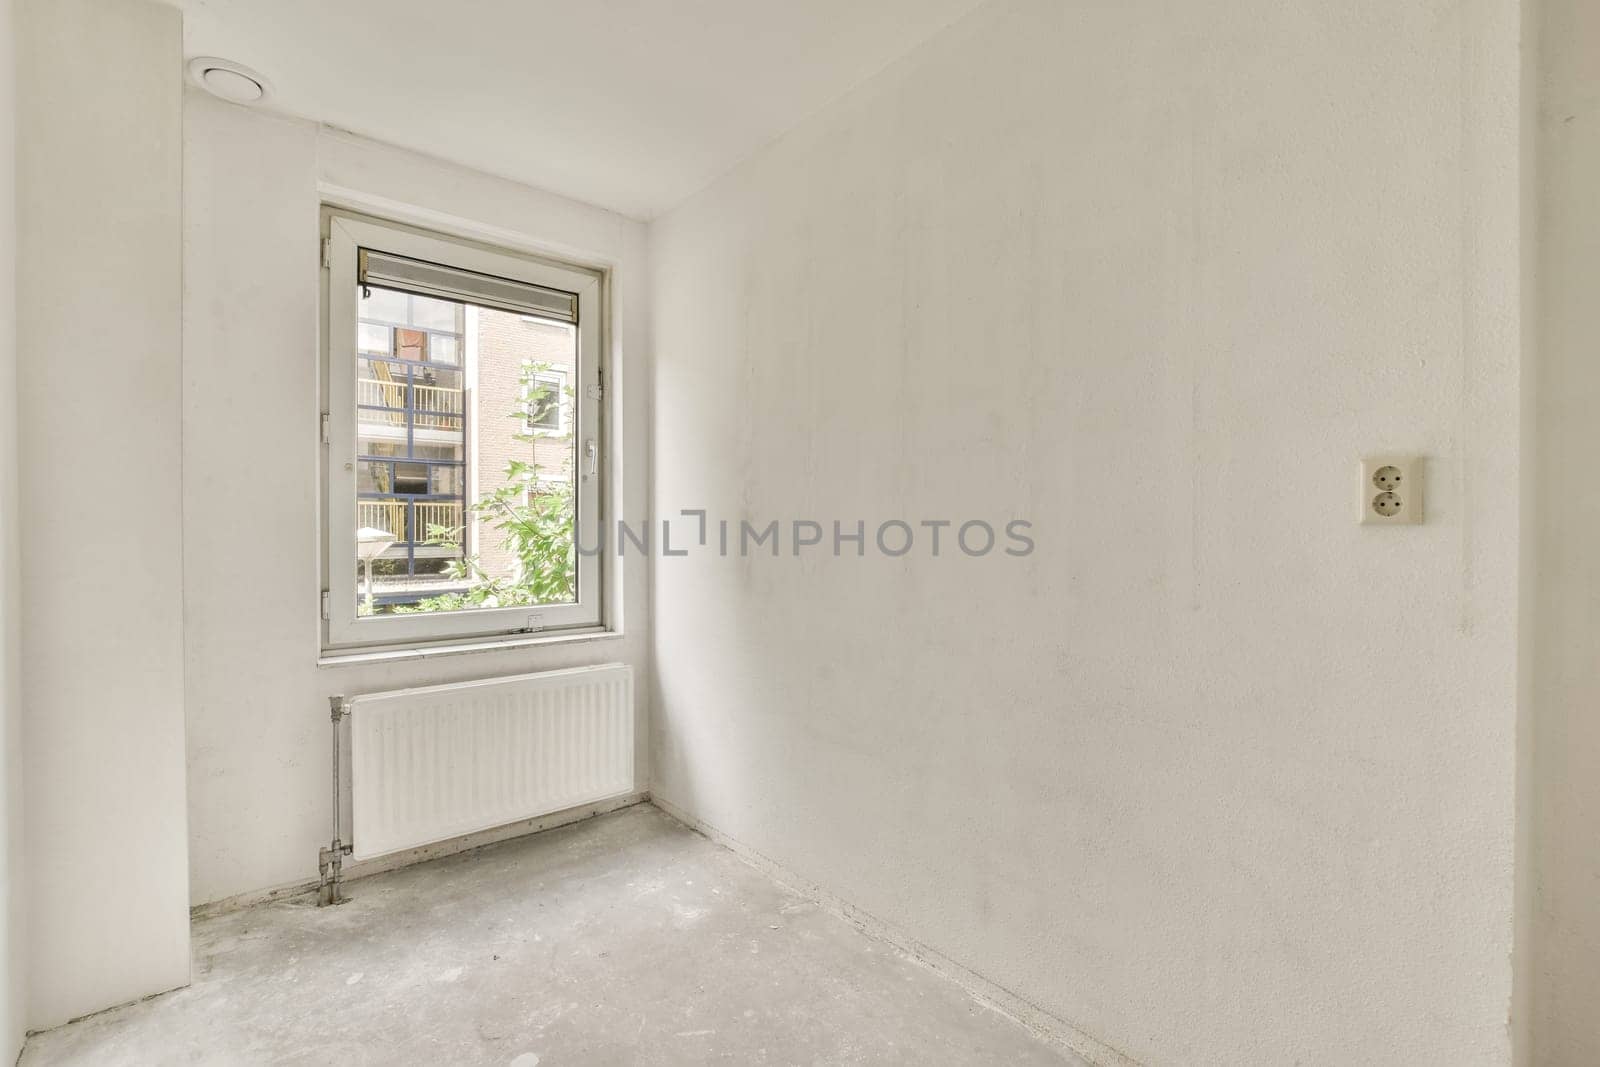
(629, 104)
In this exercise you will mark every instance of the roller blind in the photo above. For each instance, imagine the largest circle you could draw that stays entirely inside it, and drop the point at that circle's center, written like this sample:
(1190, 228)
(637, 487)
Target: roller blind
(431, 279)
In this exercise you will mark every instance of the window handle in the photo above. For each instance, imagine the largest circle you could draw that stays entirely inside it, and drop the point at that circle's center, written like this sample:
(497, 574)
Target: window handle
(591, 455)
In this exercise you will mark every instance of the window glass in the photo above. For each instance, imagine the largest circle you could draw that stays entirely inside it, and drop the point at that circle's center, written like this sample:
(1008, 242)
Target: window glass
(411, 478)
(545, 400)
(411, 345)
(456, 521)
(436, 451)
(445, 479)
(445, 348)
(454, 426)
(374, 478)
(376, 338)
(377, 446)
(444, 315)
(384, 305)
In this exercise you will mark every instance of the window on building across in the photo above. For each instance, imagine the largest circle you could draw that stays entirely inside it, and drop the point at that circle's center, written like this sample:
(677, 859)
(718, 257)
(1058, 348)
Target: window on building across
(547, 399)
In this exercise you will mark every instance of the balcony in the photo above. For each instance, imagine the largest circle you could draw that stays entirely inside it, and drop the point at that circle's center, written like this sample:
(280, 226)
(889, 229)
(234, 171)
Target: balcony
(412, 424)
(409, 519)
(389, 402)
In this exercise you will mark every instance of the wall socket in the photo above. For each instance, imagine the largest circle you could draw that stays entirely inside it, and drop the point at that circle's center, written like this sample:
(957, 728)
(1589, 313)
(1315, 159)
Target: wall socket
(1391, 491)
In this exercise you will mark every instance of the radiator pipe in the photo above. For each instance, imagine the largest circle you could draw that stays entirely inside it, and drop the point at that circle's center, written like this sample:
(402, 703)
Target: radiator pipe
(330, 861)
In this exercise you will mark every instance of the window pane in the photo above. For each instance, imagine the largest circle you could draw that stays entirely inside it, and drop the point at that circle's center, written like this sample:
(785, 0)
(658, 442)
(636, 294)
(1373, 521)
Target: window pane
(379, 339)
(384, 305)
(442, 452)
(411, 344)
(411, 478)
(377, 446)
(434, 314)
(374, 478)
(545, 398)
(445, 480)
(445, 348)
(453, 523)
(444, 377)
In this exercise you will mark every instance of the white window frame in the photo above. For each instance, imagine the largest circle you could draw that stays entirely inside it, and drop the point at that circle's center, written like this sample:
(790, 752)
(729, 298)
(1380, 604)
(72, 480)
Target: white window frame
(345, 233)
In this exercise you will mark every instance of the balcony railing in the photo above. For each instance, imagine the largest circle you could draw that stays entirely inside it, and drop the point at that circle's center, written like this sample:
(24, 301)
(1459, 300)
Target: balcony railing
(432, 407)
(409, 520)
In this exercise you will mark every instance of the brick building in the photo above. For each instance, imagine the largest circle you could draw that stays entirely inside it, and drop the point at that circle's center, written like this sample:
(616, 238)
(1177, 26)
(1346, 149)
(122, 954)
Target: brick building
(499, 346)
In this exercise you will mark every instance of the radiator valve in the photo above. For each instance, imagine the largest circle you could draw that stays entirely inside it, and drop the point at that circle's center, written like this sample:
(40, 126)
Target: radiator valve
(330, 862)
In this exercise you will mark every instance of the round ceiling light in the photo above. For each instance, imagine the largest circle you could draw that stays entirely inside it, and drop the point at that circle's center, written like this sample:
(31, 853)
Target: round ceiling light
(230, 81)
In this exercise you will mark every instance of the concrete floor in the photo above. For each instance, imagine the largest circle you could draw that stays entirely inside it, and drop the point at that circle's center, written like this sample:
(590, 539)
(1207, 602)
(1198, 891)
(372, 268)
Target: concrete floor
(625, 939)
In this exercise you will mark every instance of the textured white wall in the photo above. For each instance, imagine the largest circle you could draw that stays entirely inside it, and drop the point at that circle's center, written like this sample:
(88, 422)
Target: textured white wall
(99, 336)
(1216, 775)
(13, 1020)
(257, 702)
(1566, 668)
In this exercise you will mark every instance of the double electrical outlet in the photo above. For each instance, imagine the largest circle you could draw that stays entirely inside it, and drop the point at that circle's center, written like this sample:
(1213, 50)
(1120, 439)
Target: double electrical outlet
(1391, 491)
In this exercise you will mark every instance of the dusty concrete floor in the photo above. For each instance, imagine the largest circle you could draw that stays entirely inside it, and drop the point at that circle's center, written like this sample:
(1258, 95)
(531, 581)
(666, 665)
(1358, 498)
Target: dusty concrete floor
(625, 939)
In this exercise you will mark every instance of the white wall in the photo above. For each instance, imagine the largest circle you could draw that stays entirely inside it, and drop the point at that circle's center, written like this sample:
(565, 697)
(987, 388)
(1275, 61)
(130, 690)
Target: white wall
(257, 702)
(13, 1020)
(98, 385)
(1567, 521)
(1216, 775)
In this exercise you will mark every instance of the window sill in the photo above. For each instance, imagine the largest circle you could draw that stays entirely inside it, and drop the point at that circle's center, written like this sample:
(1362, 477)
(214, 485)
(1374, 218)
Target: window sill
(353, 656)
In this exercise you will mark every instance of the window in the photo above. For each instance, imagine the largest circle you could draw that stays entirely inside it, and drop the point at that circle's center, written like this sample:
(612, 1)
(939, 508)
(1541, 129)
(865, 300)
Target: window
(547, 401)
(462, 385)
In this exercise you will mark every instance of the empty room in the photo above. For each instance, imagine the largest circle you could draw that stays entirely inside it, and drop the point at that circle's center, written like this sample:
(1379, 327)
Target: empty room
(925, 532)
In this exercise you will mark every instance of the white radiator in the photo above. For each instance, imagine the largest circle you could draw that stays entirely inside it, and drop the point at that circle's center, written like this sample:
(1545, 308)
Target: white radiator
(434, 763)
